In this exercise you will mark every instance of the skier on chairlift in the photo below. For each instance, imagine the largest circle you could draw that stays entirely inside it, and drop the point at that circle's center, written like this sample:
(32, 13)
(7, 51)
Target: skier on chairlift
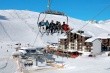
(51, 27)
(41, 25)
(47, 26)
(59, 27)
(56, 26)
(65, 27)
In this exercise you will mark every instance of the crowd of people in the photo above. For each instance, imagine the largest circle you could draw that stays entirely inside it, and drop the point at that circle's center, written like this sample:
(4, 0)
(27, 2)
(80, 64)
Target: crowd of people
(53, 27)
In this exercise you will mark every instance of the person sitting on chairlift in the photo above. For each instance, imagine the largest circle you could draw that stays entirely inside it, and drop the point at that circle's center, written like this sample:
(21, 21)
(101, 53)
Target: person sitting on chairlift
(47, 25)
(51, 27)
(65, 27)
(59, 27)
(41, 24)
(56, 26)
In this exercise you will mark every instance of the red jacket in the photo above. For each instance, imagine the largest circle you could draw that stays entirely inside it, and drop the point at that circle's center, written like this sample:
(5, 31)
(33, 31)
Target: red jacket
(65, 27)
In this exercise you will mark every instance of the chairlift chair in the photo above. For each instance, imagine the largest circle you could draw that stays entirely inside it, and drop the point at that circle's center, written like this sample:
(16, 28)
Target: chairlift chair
(52, 13)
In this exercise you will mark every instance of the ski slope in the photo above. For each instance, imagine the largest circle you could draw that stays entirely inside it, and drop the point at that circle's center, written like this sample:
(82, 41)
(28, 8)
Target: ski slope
(21, 26)
(18, 28)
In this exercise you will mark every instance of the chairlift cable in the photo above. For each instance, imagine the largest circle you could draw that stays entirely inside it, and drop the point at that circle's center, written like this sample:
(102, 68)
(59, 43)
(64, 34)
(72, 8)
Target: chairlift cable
(96, 16)
(30, 27)
(23, 20)
(26, 24)
(39, 29)
(36, 38)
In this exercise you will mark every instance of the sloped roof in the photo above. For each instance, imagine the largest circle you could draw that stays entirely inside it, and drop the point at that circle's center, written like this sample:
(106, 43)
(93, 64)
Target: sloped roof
(84, 34)
(91, 39)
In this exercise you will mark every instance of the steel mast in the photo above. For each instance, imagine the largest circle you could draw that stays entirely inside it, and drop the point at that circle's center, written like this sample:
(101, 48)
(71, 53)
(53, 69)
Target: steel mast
(49, 5)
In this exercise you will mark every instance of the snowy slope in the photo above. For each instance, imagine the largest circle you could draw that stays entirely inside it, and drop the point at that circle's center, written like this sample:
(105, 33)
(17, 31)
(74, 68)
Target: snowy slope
(17, 28)
(24, 24)
(21, 25)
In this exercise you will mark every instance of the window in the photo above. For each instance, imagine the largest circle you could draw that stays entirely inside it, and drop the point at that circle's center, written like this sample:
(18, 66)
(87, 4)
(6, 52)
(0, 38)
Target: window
(72, 44)
(33, 51)
(72, 47)
(71, 40)
(27, 51)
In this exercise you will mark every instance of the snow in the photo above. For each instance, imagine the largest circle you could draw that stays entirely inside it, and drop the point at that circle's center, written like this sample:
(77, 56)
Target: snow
(23, 23)
(5, 57)
(17, 27)
(21, 26)
(82, 65)
(70, 50)
(91, 39)
(84, 34)
(104, 36)
(24, 48)
(62, 36)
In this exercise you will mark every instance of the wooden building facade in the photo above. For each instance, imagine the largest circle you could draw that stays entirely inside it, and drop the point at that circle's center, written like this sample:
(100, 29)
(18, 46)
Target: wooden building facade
(76, 41)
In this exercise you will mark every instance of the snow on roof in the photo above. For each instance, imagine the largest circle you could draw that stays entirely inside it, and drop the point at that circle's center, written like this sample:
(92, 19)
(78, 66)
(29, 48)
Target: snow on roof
(104, 36)
(91, 39)
(62, 36)
(71, 50)
(22, 51)
(31, 48)
(24, 48)
(17, 53)
(84, 34)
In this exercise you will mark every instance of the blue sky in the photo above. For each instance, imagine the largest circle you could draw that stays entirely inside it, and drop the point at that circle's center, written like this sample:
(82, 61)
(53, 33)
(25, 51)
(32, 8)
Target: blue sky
(80, 9)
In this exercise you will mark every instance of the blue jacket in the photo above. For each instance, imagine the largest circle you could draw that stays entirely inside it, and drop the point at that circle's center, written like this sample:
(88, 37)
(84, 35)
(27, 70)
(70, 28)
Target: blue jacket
(41, 23)
(47, 23)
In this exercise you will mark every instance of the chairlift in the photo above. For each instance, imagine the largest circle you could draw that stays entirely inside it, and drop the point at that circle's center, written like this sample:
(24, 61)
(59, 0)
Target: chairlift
(51, 12)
